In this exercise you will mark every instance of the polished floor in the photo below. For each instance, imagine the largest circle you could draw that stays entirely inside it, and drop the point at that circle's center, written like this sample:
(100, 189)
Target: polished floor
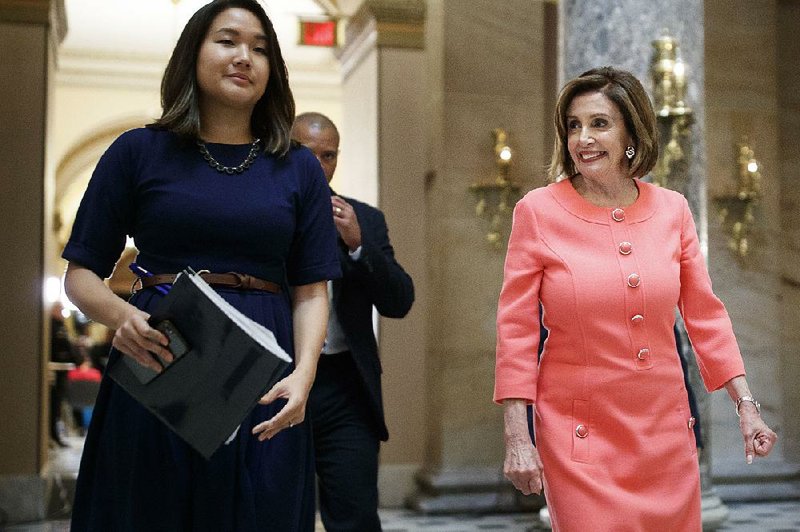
(750, 517)
(779, 516)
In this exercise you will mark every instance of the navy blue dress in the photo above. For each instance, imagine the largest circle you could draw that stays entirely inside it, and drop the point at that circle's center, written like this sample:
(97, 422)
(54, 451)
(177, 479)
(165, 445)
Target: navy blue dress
(272, 221)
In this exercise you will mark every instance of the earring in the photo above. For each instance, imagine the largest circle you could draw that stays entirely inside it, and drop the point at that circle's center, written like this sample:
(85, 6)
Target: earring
(630, 151)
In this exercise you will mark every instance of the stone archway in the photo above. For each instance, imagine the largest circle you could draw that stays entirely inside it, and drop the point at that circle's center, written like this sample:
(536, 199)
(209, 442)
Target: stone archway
(75, 168)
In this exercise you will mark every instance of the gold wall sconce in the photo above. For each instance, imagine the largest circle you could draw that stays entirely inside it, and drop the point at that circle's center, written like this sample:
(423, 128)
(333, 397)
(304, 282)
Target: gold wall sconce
(497, 193)
(669, 75)
(737, 210)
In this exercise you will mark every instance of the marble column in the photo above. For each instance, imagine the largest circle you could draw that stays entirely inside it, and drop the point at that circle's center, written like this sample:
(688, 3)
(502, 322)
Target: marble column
(619, 33)
(29, 33)
(491, 65)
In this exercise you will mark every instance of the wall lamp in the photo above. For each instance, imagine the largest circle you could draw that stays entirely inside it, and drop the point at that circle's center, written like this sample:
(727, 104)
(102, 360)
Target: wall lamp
(669, 75)
(737, 210)
(497, 193)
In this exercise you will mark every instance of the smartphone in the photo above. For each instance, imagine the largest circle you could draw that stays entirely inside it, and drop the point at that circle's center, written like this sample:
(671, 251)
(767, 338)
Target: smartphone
(177, 343)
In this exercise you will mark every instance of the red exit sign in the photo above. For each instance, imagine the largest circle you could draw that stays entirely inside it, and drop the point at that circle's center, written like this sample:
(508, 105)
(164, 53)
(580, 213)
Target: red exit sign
(318, 32)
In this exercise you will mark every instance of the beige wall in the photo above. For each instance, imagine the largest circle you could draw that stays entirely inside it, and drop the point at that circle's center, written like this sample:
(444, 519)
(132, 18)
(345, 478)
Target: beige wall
(357, 173)
(788, 81)
(488, 80)
(402, 199)
(383, 162)
(751, 77)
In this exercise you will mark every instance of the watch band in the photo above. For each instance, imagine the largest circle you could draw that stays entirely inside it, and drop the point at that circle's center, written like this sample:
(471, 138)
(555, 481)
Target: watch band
(750, 399)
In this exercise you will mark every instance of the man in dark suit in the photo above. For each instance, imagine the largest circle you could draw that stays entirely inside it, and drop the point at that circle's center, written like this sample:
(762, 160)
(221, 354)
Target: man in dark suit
(345, 406)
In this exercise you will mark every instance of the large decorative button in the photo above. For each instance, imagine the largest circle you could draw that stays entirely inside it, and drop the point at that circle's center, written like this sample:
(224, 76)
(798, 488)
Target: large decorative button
(637, 319)
(625, 248)
(618, 215)
(692, 422)
(643, 354)
(581, 431)
(634, 280)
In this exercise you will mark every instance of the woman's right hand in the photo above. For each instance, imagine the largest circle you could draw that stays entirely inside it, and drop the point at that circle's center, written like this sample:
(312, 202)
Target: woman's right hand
(134, 337)
(523, 467)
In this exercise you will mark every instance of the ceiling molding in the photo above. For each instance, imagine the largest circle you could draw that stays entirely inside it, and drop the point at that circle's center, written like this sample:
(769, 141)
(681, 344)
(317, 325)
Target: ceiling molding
(144, 71)
(105, 69)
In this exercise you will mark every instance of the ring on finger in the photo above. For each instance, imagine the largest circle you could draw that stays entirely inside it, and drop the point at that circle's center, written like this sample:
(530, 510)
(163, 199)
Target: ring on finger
(338, 210)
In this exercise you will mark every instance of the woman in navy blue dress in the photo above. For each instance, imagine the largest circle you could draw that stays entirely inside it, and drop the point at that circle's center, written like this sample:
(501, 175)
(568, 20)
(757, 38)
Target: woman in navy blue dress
(214, 184)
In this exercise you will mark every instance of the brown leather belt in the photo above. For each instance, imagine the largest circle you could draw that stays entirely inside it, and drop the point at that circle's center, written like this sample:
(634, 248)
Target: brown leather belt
(242, 281)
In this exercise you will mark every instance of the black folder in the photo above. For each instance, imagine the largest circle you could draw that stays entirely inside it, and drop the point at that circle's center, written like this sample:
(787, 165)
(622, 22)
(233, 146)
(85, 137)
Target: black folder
(229, 362)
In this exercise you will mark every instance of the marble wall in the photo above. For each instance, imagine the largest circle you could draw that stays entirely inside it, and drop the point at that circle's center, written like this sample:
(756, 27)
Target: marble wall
(619, 33)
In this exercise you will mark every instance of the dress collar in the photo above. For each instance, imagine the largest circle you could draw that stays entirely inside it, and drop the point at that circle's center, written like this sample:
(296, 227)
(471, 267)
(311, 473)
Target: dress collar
(643, 208)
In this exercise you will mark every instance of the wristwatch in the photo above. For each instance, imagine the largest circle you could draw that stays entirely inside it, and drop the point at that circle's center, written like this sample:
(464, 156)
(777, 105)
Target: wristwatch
(748, 398)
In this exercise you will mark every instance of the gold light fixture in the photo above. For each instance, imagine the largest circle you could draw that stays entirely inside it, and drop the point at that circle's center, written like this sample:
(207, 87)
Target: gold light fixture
(497, 193)
(737, 210)
(669, 75)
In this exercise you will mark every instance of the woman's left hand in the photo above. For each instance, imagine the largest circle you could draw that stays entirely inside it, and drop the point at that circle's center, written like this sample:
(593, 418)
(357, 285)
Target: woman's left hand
(294, 389)
(758, 437)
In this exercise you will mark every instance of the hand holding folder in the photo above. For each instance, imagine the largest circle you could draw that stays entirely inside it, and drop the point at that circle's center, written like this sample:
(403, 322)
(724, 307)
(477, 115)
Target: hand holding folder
(224, 362)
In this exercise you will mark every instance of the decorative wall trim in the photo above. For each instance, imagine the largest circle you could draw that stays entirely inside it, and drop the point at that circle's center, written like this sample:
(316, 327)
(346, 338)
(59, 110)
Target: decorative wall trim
(91, 68)
(398, 23)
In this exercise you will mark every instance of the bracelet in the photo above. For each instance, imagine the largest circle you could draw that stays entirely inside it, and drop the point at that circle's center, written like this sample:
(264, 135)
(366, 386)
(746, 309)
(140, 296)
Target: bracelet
(748, 398)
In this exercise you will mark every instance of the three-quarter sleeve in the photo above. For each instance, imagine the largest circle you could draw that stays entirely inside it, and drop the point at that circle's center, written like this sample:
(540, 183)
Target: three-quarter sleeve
(516, 366)
(707, 321)
(313, 256)
(105, 216)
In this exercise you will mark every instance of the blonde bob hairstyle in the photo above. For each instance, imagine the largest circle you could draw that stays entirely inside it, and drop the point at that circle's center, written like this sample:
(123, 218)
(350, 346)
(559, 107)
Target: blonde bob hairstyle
(627, 93)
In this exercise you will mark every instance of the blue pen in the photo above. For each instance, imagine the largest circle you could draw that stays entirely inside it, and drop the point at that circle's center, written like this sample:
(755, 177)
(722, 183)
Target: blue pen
(141, 272)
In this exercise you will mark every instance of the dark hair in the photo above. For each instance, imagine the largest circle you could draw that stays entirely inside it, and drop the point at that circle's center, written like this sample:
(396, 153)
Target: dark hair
(627, 93)
(273, 114)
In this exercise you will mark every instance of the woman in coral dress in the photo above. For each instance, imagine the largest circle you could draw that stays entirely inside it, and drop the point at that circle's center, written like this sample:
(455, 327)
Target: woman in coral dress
(610, 258)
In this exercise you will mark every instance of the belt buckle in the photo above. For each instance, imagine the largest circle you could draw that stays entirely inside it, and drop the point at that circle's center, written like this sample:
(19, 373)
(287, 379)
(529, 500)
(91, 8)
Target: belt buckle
(201, 273)
(244, 280)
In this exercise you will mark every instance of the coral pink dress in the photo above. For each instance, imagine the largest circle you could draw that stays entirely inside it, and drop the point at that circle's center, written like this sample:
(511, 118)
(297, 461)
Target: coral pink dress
(612, 421)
